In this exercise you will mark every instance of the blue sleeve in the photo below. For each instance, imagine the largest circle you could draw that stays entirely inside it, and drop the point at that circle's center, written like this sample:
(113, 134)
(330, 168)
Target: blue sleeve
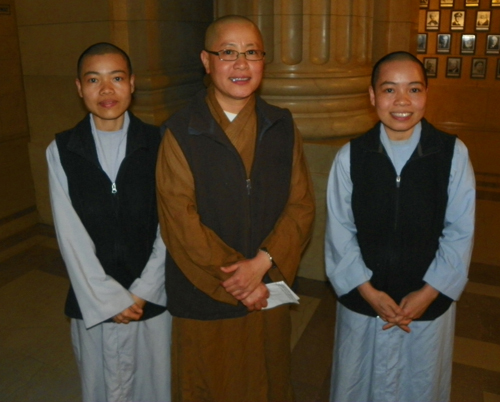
(345, 267)
(448, 271)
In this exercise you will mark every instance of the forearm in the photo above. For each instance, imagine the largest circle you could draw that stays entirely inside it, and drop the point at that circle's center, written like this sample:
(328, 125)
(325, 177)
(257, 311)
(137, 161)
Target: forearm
(150, 286)
(448, 272)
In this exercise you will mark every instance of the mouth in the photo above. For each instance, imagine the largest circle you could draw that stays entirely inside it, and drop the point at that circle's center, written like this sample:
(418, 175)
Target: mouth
(401, 115)
(238, 79)
(108, 103)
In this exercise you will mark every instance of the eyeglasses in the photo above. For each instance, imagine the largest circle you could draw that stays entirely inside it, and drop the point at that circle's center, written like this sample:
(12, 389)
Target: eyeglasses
(232, 55)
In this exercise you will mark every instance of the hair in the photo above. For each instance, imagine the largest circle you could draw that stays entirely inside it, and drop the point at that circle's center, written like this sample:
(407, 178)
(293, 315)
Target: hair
(396, 56)
(212, 30)
(100, 49)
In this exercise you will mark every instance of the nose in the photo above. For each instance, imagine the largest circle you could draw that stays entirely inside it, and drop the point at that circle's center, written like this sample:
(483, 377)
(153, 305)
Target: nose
(241, 62)
(106, 87)
(402, 98)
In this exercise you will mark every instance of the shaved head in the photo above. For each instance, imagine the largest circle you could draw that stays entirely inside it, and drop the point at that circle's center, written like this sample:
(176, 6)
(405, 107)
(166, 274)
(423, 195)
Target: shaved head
(396, 56)
(213, 29)
(100, 49)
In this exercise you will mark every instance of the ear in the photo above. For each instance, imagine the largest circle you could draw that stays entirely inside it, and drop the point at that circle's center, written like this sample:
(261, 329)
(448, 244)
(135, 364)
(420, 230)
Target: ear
(132, 83)
(372, 95)
(205, 59)
(79, 87)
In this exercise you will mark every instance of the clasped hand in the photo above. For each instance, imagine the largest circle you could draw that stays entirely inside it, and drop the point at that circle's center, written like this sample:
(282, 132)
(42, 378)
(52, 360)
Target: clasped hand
(132, 313)
(246, 284)
(412, 306)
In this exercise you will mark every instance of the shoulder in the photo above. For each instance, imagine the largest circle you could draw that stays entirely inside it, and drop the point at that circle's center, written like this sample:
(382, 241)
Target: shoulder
(269, 111)
(430, 129)
(344, 152)
(370, 139)
(146, 128)
(460, 151)
(51, 150)
(193, 106)
(83, 126)
(342, 160)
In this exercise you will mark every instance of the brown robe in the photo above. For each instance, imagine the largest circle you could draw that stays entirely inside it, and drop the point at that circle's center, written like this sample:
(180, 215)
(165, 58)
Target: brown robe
(242, 359)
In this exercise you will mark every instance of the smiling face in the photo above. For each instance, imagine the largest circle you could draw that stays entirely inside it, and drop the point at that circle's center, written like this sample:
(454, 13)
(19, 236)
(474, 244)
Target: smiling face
(106, 86)
(234, 81)
(399, 97)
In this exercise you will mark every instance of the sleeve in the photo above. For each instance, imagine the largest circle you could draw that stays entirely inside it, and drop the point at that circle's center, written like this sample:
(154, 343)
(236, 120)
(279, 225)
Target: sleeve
(345, 267)
(99, 296)
(196, 249)
(448, 271)
(150, 286)
(292, 232)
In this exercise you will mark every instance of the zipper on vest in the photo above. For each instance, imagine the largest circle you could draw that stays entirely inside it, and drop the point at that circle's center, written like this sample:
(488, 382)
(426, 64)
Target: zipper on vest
(249, 186)
(398, 183)
(113, 188)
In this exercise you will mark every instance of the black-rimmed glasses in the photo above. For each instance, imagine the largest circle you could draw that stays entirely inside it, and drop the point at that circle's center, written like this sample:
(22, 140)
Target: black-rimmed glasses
(232, 55)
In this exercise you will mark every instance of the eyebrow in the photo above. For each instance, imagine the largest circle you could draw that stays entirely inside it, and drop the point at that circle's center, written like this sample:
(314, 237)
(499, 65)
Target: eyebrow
(235, 44)
(97, 73)
(396, 83)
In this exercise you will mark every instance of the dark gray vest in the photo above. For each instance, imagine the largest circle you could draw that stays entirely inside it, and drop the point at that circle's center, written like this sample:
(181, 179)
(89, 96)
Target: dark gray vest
(122, 225)
(399, 224)
(242, 213)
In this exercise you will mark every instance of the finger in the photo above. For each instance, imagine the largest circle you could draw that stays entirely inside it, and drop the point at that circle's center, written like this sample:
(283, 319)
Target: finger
(139, 301)
(405, 328)
(130, 315)
(232, 288)
(231, 283)
(405, 321)
(388, 326)
(397, 310)
(135, 309)
(230, 268)
(118, 318)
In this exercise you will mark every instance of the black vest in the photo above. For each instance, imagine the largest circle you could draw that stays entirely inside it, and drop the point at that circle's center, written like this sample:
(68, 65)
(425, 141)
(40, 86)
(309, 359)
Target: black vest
(399, 222)
(241, 213)
(122, 225)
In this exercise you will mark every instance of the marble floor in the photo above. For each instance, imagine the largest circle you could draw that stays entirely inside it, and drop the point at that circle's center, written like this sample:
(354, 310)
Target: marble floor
(37, 361)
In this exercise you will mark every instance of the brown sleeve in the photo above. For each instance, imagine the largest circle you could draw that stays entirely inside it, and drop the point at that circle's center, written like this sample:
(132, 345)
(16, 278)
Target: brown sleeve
(196, 249)
(293, 230)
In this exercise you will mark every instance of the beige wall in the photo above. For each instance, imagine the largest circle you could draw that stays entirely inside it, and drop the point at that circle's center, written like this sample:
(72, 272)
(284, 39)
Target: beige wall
(17, 197)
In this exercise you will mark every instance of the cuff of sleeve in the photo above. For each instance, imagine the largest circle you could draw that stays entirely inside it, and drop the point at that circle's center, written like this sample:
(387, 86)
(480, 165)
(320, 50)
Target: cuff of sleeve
(448, 286)
(92, 317)
(343, 285)
(144, 291)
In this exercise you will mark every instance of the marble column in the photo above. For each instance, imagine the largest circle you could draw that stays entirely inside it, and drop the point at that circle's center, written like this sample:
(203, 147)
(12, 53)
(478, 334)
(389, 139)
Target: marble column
(318, 60)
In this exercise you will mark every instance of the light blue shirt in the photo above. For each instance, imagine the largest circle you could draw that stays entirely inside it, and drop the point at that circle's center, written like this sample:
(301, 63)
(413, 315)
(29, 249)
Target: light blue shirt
(448, 271)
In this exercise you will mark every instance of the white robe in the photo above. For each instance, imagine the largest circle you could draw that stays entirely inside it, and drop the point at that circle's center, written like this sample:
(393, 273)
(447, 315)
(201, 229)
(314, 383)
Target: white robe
(375, 365)
(117, 362)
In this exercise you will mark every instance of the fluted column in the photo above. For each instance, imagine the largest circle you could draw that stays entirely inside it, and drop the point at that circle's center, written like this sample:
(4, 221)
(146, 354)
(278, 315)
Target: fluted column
(164, 40)
(318, 61)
